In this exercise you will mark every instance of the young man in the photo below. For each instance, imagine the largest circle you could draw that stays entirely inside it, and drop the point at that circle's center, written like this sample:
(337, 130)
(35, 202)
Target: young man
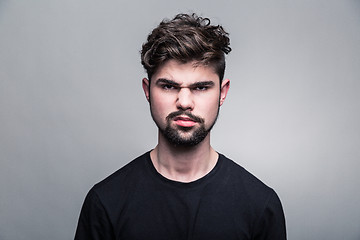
(183, 189)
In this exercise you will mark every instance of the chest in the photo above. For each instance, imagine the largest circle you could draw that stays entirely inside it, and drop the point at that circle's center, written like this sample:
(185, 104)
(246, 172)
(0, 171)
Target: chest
(187, 214)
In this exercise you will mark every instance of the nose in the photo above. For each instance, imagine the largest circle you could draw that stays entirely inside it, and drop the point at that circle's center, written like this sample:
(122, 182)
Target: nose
(185, 99)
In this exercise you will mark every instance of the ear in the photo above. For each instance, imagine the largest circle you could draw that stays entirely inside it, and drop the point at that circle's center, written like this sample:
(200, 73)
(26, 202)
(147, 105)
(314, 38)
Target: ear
(225, 85)
(146, 88)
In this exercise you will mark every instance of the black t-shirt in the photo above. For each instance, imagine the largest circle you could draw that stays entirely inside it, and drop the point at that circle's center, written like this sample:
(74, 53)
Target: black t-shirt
(137, 203)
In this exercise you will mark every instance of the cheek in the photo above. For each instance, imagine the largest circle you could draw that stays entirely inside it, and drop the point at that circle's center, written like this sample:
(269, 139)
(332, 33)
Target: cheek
(160, 107)
(209, 108)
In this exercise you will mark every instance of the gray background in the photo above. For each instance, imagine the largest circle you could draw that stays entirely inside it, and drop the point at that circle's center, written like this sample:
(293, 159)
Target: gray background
(72, 110)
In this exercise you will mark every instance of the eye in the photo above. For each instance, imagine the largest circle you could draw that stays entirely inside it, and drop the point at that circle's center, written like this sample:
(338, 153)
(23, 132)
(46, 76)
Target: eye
(167, 87)
(201, 88)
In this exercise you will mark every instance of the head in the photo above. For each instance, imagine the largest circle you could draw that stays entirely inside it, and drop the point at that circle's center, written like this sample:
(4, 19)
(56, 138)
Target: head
(186, 38)
(185, 62)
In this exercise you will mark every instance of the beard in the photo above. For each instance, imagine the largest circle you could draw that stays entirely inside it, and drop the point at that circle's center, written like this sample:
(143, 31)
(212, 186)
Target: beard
(186, 136)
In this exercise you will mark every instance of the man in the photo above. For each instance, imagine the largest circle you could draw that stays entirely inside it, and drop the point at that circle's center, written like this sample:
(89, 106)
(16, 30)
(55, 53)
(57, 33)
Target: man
(183, 188)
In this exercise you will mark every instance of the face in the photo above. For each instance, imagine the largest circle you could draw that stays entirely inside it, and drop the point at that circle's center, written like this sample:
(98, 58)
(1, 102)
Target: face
(185, 100)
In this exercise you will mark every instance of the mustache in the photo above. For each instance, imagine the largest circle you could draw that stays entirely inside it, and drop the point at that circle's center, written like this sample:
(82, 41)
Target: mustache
(188, 114)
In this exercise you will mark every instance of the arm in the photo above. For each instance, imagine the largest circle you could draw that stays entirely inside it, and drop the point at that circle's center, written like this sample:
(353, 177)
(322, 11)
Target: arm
(271, 225)
(94, 223)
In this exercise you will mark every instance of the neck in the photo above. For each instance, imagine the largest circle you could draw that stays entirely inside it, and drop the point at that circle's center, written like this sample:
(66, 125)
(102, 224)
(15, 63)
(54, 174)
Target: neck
(183, 164)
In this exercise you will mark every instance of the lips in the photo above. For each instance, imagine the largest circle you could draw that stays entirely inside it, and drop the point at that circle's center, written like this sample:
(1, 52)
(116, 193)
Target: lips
(184, 121)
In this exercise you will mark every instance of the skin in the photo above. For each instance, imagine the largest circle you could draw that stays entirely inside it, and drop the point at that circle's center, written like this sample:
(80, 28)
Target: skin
(183, 87)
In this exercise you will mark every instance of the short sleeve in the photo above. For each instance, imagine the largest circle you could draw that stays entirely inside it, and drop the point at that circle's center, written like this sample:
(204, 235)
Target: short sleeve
(271, 225)
(94, 223)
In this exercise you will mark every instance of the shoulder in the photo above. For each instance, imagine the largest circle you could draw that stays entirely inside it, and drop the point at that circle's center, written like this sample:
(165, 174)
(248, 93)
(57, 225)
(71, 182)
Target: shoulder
(259, 200)
(121, 181)
(106, 199)
(239, 173)
(245, 182)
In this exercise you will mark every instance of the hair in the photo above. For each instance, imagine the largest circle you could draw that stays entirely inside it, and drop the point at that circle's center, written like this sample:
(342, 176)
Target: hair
(186, 38)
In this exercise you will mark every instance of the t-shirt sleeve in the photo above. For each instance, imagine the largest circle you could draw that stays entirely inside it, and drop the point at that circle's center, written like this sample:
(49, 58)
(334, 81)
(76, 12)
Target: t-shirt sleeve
(94, 223)
(271, 225)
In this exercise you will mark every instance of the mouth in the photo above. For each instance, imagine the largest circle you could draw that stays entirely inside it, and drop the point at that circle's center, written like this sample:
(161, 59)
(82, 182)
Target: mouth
(184, 121)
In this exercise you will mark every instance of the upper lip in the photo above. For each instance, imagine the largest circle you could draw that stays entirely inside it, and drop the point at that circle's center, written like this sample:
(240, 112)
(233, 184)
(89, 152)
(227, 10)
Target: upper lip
(184, 118)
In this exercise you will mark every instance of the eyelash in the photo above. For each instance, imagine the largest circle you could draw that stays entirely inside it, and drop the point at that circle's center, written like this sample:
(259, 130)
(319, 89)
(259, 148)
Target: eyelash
(171, 87)
(201, 88)
(168, 87)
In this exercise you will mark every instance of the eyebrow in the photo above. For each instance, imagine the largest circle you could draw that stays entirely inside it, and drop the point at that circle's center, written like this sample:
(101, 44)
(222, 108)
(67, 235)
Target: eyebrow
(202, 84)
(175, 84)
(166, 81)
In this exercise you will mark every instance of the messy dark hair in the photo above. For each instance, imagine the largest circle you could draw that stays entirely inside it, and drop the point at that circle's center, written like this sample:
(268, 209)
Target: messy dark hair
(186, 38)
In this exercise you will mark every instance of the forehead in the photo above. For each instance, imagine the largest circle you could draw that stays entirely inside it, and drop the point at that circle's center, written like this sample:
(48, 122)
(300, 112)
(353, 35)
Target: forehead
(183, 73)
